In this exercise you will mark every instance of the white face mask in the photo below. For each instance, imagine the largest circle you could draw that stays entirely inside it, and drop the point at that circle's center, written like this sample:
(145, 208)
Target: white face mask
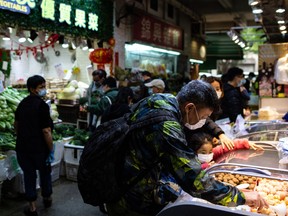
(219, 94)
(205, 157)
(199, 124)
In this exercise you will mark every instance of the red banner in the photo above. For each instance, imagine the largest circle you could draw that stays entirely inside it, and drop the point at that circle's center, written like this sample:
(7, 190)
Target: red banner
(150, 30)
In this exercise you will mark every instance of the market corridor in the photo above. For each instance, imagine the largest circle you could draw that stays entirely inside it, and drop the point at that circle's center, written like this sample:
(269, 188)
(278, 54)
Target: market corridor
(67, 201)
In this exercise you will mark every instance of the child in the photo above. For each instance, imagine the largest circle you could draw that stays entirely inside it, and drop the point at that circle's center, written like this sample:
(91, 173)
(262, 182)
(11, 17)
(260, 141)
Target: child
(202, 144)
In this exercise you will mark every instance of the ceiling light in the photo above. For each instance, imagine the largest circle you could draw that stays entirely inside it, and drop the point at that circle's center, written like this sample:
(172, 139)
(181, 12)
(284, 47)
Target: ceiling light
(84, 45)
(5, 32)
(237, 41)
(90, 45)
(280, 10)
(283, 27)
(141, 47)
(65, 44)
(21, 35)
(196, 61)
(257, 10)
(253, 2)
(33, 36)
(281, 22)
(284, 31)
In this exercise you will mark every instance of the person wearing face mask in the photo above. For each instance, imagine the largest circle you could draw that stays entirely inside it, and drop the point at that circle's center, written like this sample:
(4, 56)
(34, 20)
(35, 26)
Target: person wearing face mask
(235, 96)
(97, 109)
(160, 151)
(202, 144)
(94, 93)
(210, 126)
(34, 145)
(155, 86)
(121, 106)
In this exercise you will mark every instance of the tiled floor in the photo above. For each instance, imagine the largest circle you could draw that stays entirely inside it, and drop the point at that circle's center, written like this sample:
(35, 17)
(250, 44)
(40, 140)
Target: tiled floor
(67, 201)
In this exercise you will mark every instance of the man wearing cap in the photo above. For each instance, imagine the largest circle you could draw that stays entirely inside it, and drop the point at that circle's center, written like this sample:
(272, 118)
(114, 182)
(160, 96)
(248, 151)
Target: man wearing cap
(157, 86)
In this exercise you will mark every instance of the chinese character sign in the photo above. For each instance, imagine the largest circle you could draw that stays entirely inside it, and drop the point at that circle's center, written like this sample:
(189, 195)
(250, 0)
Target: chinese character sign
(151, 30)
(48, 9)
(80, 20)
(65, 13)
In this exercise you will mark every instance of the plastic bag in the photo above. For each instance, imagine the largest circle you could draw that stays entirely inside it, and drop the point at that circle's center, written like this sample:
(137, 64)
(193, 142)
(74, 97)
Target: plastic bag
(3, 168)
(239, 127)
(12, 165)
(224, 124)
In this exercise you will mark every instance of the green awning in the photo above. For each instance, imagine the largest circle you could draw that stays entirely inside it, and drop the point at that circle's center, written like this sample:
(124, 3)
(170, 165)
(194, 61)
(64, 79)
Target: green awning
(220, 46)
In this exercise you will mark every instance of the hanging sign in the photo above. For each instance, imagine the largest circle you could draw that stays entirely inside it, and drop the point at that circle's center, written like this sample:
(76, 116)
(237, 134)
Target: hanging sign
(65, 10)
(20, 6)
(150, 30)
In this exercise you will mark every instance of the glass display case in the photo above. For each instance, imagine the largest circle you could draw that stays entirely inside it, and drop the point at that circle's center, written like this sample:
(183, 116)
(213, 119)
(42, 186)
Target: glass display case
(245, 169)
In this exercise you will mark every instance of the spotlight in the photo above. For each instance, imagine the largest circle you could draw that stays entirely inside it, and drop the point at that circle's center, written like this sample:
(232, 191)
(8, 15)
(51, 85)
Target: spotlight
(253, 2)
(33, 36)
(21, 35)
(5, 32)
(84, 45)
(65, 44)
(280, 10)
(90, 45)
(257, 11)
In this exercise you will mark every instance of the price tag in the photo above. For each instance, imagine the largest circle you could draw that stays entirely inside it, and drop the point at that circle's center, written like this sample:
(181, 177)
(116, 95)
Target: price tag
(59, 70)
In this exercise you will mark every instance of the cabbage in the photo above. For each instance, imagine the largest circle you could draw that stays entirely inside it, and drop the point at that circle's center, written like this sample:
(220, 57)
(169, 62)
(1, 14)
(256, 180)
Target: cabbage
(73, 83)
(69, 90)
(82, 85)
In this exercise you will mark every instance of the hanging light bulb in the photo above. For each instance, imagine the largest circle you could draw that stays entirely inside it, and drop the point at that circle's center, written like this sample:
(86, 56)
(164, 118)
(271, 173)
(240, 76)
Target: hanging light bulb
(33, 36)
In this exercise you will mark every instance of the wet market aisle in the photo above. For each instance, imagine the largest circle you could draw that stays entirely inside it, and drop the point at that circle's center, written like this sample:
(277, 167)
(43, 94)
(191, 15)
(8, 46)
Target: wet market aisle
(67, 201)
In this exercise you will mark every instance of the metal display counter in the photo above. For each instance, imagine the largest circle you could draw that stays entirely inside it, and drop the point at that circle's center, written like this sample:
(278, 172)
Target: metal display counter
(189, 208)
(256, 164)
(266, 126)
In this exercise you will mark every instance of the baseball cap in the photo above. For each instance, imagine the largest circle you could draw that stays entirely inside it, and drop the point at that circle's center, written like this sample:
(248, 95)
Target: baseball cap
(156, 83)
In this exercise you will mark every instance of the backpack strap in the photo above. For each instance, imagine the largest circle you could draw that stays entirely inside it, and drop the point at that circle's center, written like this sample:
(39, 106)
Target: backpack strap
(99, 118)
(109, 100)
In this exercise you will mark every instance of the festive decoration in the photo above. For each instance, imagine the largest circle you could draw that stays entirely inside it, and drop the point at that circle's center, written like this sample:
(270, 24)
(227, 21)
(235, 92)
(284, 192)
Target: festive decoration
(75, 70)
(35, 49)
(101, 56)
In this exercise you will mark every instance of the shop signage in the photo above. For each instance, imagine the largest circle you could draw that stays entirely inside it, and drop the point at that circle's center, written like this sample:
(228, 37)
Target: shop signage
(20, 6)
(150, 30)
(49, 9)
(48, 12)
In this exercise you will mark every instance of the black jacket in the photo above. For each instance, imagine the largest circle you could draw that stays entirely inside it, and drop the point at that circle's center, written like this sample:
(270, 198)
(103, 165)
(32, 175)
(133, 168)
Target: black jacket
(233, 102)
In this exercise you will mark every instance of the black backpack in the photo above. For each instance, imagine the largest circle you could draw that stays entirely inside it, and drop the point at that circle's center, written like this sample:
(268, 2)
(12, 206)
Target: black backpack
(102, 160)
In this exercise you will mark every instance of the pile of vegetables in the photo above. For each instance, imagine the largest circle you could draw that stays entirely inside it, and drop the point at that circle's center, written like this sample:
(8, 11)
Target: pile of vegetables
(63, 130)
(7, 141)
(9, 100)
(80, 136)
(73, 91)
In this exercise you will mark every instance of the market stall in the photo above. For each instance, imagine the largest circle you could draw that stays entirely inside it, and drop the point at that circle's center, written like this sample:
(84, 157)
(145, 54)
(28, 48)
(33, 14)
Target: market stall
(262, 171)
